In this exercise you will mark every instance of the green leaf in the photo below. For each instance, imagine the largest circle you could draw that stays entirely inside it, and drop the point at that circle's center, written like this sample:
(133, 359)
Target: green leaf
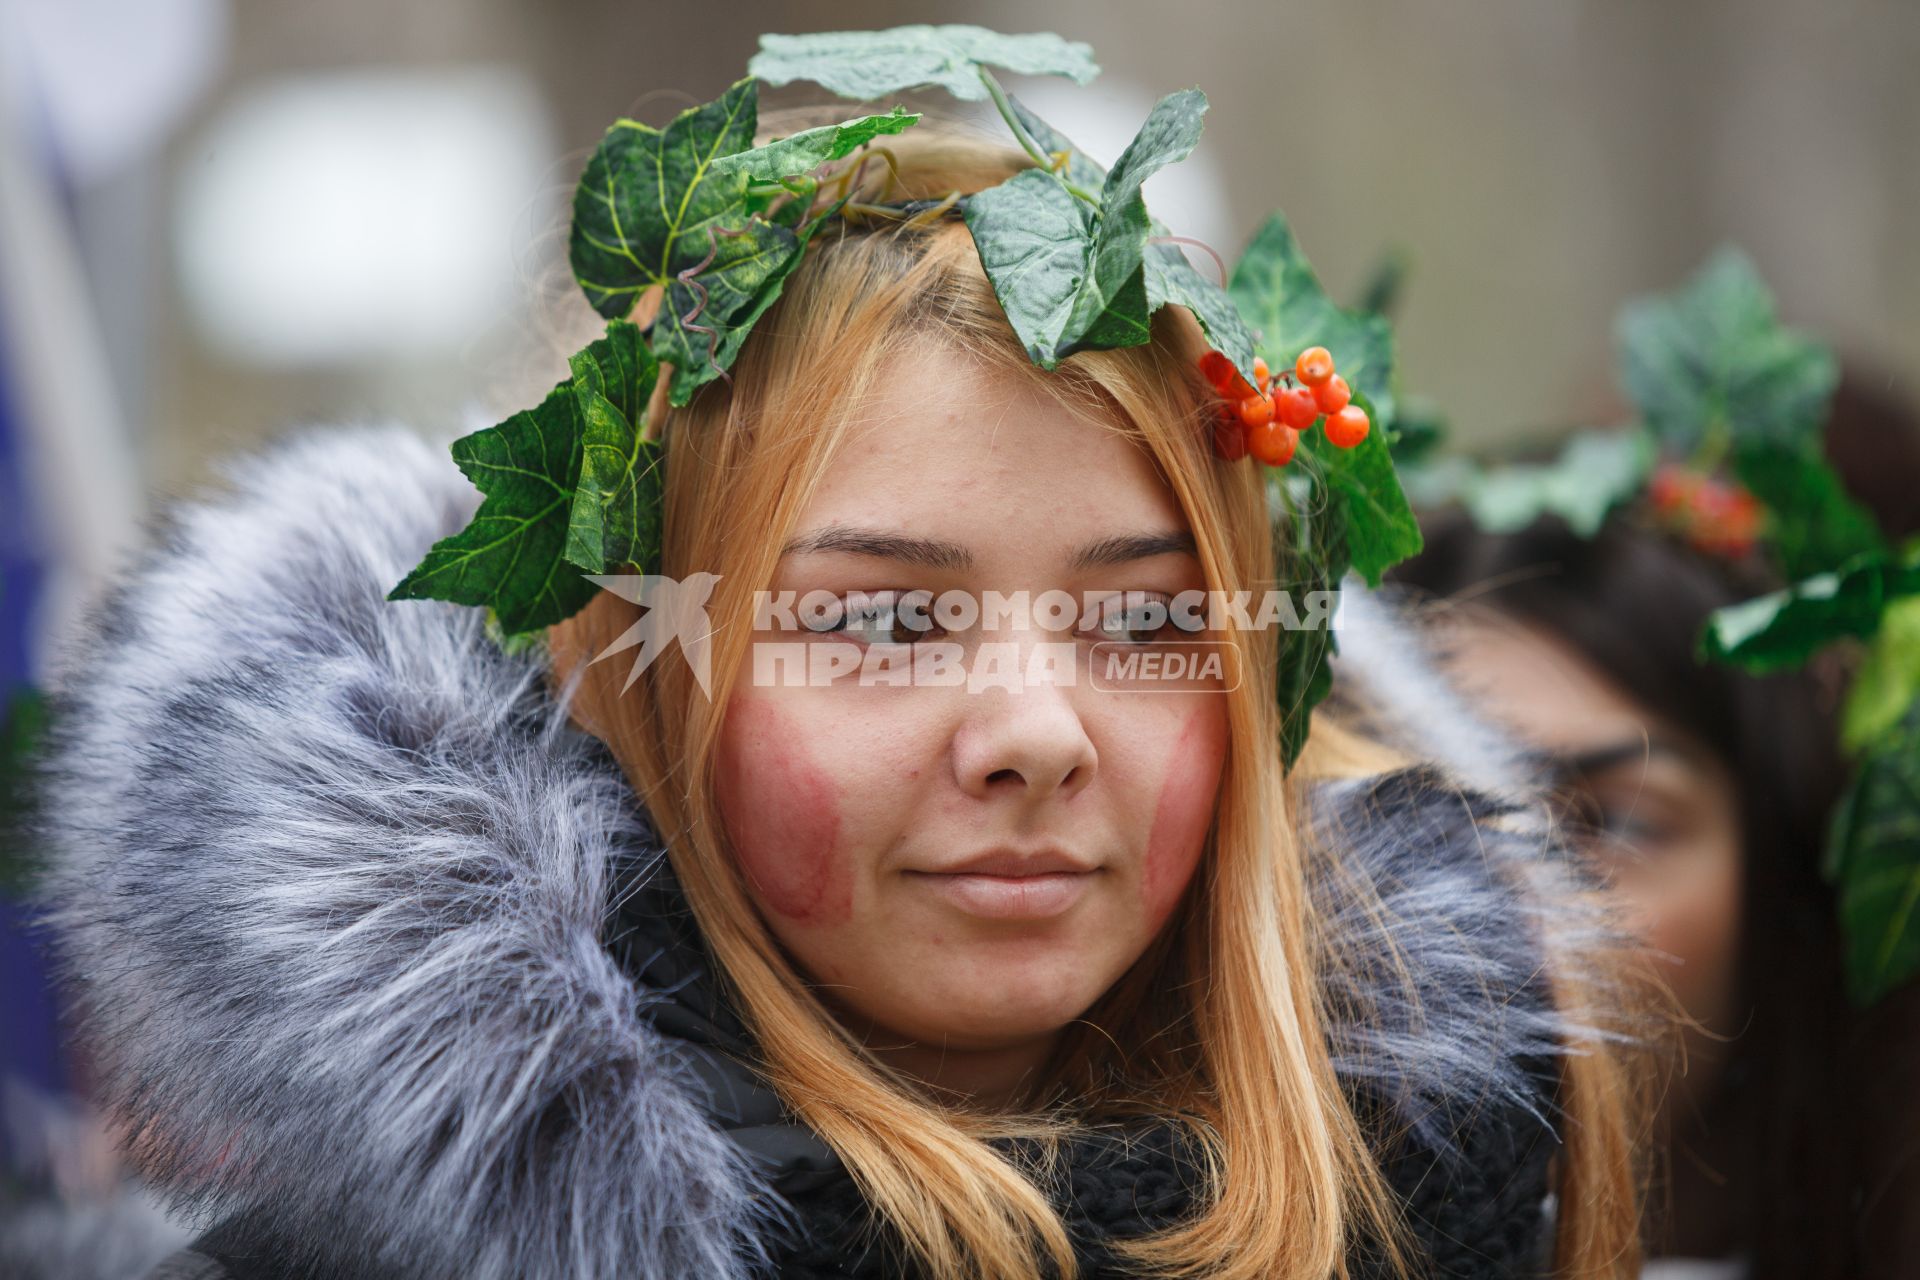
(1888, 682)
(24, 722)
(1173, 279)
(1784, 628)
(1278, 293)
(1170, 277)
(874, 64)
(1595, 472)
(658, 208)
(1072, 278)
(1305, 675)
(1875, 856)
(1035, 240)
(615, 517)
(807, 150)
(1081, 170)
(1311, 553)
(510, 557)
(1367, 513)
(1813, 524)
(1712, 363)
(1341, 511)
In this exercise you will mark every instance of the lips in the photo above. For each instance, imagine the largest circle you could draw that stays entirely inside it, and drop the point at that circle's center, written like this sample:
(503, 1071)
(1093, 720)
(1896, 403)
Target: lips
(1009, 885)
(1002, 862)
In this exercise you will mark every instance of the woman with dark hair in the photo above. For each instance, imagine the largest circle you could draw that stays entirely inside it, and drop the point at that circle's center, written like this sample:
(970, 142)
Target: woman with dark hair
(1707, 792)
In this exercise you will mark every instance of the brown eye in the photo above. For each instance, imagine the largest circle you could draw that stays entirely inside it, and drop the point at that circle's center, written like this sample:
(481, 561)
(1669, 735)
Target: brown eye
(883, 617)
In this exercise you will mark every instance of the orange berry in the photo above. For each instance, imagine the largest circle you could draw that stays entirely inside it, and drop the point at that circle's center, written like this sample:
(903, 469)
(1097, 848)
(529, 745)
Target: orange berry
(1297, 408)
(1273, 443)
(1314, 366)
(1348, 427)
(1229, 436)
(1261, 374)
(1333, 395)
(1226, 379)
(1673, 487)
(1256, 411)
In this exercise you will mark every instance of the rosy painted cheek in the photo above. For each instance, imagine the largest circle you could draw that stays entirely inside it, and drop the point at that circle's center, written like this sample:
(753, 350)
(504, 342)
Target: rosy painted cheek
(783, 817)
(1183, 814)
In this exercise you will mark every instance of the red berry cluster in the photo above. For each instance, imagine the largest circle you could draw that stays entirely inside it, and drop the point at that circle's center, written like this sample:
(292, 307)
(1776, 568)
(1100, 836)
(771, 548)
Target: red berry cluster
(1266, 420)
(1716, 516)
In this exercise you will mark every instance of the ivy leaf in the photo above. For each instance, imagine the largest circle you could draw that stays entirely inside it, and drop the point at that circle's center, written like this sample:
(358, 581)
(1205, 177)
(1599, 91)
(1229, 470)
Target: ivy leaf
(1278, 293)
(1035, 240)
(1366, 511)
(1594, 472)
(615, 516)
(873, 64)
(1343, 512)
(1069, 276)
(1170, 278)
(1081, 169)
(1888, 682)
(510, 557)
(1784, 628)
(655, 207)
(730, 339)
(807, 150)
(647, 197)
(1874, 855)
(1813, 524)
(1311, 551)
(1712, 361)
(569, 485)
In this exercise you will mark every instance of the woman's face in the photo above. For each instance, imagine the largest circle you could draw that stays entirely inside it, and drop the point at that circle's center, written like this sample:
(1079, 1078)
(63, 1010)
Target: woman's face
(1665, 808)
(849, 801)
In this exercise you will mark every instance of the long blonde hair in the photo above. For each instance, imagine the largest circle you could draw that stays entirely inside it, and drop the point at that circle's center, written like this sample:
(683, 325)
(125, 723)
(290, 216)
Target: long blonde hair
(1220, 1019)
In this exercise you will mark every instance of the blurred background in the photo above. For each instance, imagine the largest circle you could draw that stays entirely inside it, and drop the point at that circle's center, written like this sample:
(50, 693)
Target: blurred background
(219, 219)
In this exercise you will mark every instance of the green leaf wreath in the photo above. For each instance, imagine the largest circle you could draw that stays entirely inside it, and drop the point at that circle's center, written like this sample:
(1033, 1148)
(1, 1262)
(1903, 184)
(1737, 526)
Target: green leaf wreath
(713, 225)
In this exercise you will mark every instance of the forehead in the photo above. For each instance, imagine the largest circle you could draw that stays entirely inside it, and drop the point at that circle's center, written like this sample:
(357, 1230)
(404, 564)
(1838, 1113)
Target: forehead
(1543, 687)
(954, 448)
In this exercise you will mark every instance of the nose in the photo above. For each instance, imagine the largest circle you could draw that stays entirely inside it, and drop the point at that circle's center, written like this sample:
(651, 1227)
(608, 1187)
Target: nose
(1028, 741)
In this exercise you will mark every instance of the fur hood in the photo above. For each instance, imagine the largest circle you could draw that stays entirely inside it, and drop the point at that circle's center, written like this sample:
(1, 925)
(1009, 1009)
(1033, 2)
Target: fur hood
(332, 880)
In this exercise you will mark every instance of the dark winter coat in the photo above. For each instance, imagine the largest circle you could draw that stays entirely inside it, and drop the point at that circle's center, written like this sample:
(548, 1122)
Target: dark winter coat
(378, 959)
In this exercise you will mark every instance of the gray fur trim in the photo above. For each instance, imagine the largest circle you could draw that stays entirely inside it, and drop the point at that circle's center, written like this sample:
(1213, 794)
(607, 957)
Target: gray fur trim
(1384, 681)
(329, 875)
(329, 881)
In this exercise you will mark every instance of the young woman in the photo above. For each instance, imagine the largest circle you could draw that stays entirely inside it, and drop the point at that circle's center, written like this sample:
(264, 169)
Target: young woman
(1788, 1139)
(401, 954)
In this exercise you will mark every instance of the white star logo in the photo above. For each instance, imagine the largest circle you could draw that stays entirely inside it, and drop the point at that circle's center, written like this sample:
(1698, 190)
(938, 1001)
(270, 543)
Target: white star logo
(675, 609)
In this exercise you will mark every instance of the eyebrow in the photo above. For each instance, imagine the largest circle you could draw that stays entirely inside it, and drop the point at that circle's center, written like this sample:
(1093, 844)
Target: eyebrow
(1612, 755)
(937, 553)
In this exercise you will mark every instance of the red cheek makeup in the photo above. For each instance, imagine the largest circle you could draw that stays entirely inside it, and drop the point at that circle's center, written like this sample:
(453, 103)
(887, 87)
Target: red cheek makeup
(782, 816)
(1184, 812)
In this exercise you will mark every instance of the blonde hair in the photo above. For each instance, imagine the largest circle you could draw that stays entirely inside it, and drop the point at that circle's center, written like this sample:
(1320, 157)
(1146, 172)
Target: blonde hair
(1221, 1017)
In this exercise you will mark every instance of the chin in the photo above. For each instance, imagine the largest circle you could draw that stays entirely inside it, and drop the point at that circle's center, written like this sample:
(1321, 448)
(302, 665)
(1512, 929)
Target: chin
(1001, 1013)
